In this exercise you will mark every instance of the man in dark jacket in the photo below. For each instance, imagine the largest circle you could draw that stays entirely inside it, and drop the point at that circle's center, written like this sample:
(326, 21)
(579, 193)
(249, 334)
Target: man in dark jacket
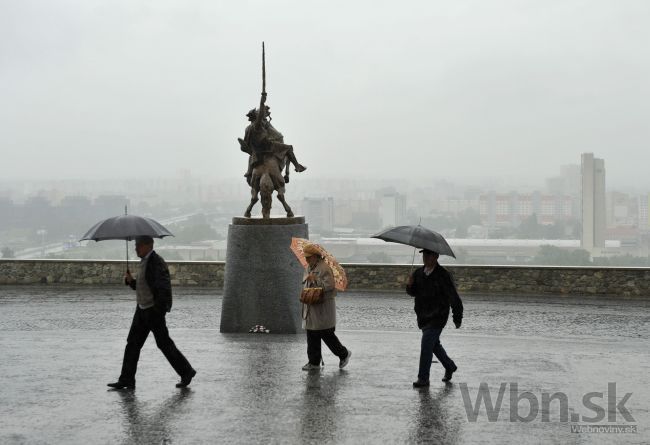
(434, 291)
(154, 299)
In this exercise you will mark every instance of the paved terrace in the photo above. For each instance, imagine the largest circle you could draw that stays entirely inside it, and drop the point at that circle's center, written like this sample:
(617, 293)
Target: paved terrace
(60, 346)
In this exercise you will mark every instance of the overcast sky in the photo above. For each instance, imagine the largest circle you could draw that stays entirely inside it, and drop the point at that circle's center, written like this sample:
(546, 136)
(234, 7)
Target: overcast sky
(452, 89)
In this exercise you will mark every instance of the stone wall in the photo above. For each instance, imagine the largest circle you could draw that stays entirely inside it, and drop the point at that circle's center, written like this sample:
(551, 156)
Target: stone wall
(625, 282)
(184, 273)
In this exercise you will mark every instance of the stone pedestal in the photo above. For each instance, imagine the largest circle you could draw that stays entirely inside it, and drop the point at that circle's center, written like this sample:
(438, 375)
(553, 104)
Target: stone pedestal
(263, 277)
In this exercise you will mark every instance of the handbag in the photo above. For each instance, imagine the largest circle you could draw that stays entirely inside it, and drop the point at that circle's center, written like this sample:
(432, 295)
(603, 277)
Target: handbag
(311, 295)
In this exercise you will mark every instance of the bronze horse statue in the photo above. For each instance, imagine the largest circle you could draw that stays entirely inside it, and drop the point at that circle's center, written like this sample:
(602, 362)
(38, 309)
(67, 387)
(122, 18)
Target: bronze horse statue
(266, 178)
(268, 156)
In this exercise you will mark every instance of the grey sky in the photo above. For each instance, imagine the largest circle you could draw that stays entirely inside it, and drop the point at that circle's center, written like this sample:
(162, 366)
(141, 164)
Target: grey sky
(483, 88)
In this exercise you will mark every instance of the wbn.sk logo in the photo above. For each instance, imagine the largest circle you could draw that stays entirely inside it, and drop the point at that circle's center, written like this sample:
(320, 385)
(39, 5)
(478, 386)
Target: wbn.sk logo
(601, 407)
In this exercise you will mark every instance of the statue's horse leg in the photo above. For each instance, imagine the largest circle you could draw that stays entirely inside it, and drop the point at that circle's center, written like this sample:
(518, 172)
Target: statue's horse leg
(266, 192)
(254, 198)
(280, 197)
(275, 176)
(286, 170)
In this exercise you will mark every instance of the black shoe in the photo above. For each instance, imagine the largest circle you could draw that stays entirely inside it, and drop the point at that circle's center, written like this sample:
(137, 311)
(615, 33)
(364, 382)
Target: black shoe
(420, 383)
(344, 361)
(121, 385)
(185, 380)
(449, 373)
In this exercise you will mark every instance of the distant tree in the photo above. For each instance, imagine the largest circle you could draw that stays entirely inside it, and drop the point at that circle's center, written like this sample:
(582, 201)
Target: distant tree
(622, 261)
(554, 231)
(529, 228)
(7, 252)
(502, 232)
(554, 256)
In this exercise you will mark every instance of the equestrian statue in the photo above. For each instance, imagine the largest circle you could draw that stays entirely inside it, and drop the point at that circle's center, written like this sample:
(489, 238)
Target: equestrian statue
(268, 156)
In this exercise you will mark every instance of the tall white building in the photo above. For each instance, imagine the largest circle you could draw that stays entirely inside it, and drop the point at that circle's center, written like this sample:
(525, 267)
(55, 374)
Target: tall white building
(393, 209)
(567, 182)
(593, 203)
(319, 214)
(644, 212)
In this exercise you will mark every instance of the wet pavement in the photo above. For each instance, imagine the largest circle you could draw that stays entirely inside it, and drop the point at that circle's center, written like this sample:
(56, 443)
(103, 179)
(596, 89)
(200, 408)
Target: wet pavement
(60, 346)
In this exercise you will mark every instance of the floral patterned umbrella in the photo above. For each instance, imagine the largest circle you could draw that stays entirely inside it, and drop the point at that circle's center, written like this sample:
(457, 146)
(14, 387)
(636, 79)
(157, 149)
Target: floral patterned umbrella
(340, 279)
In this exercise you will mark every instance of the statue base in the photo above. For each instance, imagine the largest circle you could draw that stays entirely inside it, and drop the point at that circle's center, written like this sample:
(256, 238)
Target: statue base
(263, 277)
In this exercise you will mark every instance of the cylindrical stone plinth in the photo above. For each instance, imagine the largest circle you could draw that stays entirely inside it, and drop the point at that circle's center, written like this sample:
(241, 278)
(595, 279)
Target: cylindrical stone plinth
(263, 277)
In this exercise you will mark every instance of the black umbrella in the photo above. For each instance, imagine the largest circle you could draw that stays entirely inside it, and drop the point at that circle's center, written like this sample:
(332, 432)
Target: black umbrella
(126, 227)
(417, 236)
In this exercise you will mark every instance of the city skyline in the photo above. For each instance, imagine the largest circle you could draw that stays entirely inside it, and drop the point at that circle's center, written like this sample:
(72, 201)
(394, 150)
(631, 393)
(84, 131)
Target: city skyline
(505, 227)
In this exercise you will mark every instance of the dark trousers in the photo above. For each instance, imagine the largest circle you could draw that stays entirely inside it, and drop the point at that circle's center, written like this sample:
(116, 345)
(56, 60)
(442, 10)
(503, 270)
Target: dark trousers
(145, 321)
(430, 346)
(330, 339)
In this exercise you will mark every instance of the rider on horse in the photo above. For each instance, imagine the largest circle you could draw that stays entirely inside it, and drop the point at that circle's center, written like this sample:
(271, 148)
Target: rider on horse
(262, 139)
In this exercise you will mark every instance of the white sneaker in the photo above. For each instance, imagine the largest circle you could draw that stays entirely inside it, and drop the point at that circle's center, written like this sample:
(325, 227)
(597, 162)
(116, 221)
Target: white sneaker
(344, 362)
(310, 367)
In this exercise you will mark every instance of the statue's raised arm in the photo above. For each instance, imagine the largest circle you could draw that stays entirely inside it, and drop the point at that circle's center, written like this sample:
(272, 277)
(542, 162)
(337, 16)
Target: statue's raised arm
(261, 114)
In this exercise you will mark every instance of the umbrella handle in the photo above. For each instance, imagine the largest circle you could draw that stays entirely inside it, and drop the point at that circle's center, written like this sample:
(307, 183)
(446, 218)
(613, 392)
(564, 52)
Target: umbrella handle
(412, 261)
(126, 241)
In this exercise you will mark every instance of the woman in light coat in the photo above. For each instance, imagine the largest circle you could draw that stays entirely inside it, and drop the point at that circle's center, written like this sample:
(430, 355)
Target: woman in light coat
(320, 319)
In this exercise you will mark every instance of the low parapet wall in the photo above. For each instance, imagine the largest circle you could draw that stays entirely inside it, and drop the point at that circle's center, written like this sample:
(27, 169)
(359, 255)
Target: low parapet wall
(93, 272)
(619, 281)
(557, 280)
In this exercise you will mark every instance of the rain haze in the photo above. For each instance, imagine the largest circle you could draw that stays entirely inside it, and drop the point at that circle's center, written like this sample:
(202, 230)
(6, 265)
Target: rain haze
(454, 89)
(474, 165)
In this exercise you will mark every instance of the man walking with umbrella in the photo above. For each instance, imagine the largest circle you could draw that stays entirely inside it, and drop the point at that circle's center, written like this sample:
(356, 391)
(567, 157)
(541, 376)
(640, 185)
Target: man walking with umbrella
(434, 292)
(154, 300)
